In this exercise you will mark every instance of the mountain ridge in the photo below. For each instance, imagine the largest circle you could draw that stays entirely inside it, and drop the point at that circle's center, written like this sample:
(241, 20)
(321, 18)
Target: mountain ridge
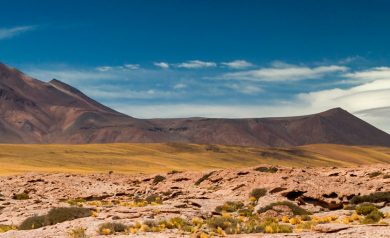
(32, 111)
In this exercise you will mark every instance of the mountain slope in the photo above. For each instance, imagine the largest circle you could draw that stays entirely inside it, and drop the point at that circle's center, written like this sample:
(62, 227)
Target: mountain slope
(32, 111)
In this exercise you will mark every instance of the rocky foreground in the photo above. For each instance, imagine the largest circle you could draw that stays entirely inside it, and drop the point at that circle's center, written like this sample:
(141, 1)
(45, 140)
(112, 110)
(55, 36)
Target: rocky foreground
(261, 201)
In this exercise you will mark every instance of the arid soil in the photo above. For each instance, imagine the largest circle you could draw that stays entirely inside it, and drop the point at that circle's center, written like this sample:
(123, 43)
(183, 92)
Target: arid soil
(324, 192)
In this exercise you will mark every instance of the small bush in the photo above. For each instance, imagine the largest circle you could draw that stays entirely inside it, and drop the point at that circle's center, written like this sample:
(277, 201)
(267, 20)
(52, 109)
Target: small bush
(109, 228)
(176, 223)
(34, 222)
(278, 228)
(61, 214)
(306, 225)
(76, 201)
(21, 196)
(153, 198)
(258, 193)
(373, 217)
(78, 232)
(371, 198)
(203, 178)
(296, 210)
(386, 176)
(365, 209)
(5, 228)
(374, 174)
(267, 169)
(54, 216)
(227, 224)
(246, 212)
(158, 179)
(229, 207)
(305, 218)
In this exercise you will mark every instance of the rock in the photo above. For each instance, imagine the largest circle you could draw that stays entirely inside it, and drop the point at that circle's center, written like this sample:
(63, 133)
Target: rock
(330, 228)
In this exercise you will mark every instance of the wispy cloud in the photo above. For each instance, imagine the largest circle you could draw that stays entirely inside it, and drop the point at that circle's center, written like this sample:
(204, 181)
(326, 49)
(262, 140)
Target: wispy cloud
(162, 65)
(370, 74)
(131, 66)
(180, 86)
(196, 64)
(285, 73)
(108, 92)
(6, 33)
(245, 88)
(238, 64)
(121, 67)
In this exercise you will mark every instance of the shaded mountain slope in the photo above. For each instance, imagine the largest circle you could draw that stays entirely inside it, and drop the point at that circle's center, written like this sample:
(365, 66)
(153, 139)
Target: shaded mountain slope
(32, 111)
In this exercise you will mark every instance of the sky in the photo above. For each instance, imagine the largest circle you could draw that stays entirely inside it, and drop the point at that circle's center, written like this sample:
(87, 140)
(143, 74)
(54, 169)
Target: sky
(234, 59)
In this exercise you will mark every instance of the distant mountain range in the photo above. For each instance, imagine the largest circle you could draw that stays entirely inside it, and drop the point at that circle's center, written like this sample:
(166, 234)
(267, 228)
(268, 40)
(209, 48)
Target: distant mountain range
(32, 111)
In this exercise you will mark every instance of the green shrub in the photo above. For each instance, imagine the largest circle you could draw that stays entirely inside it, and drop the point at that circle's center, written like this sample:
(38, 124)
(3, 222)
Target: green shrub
(174, 223)
(229, 207)
(112, 227)
(371, 198)
(21, 196)
(252, 226)
(267, 169)
(203, 178)
(54, 216)
(153, 198)
(228, 224)
(158, 179)
(76, 201)
(5, 228)
(296, 210)
(365, 209)
(78, 232)
(33, 222)
(258, 193)
(246, 212)
(305, 218)
(61, 214)
(373, 217)
(278, 228)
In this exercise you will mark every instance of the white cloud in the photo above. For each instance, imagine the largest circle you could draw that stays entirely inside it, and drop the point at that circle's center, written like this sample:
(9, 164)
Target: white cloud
(370, 74)
(131, 66)
(238, 64)
(196, 64)
(369, 101)
(108, 92)
(104, 68)
(162, 65)
(351, 59)
(120, 68)
(245, 88)
(285, 73)
(70, 75)
(180, 86)
(6, 33)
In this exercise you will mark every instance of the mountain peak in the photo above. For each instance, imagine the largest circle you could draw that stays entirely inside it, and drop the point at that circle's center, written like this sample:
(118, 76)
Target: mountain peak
(32, 111)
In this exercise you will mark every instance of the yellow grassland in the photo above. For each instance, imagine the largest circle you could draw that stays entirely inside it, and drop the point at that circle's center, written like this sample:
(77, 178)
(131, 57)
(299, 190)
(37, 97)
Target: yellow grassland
(159, 157)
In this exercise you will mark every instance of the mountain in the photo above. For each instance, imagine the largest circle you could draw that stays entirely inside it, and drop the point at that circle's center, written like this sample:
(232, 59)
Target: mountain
(32, 111)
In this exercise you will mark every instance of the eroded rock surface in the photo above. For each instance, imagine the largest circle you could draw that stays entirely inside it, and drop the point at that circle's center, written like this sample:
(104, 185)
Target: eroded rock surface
(323, 191)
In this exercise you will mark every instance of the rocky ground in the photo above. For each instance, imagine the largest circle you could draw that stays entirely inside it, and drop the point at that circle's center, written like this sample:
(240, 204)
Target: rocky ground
(209, 204)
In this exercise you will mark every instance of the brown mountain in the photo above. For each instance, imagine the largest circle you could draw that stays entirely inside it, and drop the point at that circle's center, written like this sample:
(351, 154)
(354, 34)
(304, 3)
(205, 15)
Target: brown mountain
(32, 111)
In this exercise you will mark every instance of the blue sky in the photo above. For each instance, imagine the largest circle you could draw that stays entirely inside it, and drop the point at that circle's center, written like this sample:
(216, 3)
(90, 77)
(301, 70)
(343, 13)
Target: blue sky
(209, 58)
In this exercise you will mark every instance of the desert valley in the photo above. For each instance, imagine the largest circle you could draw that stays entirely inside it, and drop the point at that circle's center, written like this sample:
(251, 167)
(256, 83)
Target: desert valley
(194, 119)
(71, 167)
